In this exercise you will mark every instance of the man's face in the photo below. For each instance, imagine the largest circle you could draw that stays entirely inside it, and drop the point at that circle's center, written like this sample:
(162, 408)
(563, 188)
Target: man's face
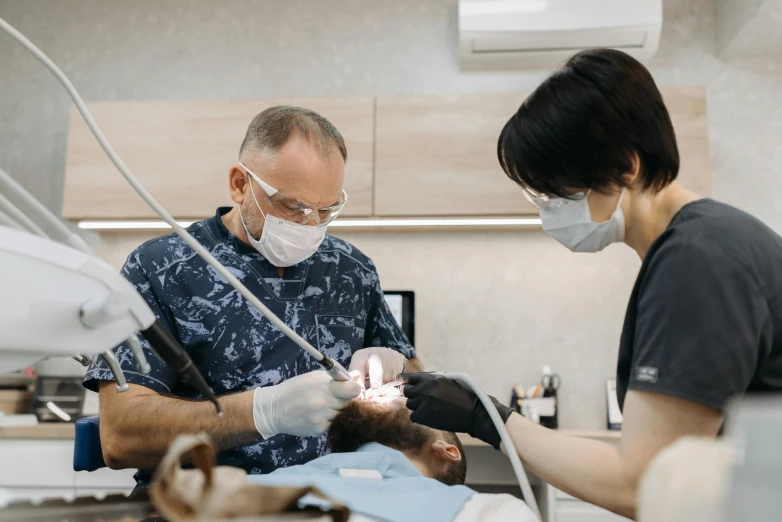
(299, 171)
(364, 421)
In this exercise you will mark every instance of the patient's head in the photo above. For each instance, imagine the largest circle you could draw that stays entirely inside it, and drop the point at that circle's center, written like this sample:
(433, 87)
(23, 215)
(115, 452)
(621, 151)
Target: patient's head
(437, 454)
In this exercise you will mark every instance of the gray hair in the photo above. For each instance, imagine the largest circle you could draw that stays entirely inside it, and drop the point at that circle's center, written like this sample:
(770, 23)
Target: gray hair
(272, 128)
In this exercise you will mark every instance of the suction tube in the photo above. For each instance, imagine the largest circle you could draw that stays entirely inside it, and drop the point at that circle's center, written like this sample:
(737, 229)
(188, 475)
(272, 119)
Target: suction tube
(513, 455)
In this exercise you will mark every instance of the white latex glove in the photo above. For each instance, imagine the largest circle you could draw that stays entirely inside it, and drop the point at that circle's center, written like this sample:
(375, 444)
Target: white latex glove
(379, 365)
(303, 405)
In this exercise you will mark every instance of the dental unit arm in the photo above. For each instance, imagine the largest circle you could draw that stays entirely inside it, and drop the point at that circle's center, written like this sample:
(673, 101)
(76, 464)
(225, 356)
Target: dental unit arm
(58, 299)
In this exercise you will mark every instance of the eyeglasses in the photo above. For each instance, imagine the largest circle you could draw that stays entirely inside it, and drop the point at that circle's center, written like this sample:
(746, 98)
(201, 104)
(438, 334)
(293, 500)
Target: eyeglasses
(546, 203)
(292, 209)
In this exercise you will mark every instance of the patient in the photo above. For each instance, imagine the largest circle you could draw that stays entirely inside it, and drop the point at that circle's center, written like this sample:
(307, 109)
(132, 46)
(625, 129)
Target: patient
(385, 467)
(436, 454)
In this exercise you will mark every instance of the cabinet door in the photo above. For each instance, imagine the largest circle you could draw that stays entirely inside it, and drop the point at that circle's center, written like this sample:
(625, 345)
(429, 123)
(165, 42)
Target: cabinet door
(37, 464)
(581, 512)
(570, 509)
(39, 494)
(182, 151)
(437, 156)
(106, 479)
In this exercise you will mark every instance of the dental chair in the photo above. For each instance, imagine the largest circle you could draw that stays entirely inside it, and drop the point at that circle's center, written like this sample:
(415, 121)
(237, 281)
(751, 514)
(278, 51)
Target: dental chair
(87, 450)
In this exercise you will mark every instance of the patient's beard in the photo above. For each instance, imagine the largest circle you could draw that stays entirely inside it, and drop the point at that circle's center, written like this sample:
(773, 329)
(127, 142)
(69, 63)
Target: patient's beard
(364, 421)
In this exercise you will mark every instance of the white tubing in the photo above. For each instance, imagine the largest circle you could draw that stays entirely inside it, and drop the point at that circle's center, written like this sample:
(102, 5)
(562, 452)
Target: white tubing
(147, 197)
(19, 217)
(6, 221)
(46, 223)
(513, 455)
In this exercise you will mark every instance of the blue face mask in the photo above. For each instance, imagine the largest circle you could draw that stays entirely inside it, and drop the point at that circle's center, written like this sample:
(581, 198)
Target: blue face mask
(571, 224)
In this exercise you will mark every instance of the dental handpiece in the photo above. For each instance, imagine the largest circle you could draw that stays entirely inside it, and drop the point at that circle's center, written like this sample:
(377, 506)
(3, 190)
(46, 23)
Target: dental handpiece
(335, 370)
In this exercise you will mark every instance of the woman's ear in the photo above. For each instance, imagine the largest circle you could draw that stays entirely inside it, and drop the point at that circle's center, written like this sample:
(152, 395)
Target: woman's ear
(237, 179)
(632, 176)
(446, 452)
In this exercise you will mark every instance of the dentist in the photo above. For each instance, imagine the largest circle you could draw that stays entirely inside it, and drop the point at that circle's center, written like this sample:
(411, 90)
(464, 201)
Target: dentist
(594, 150)
(287, 186)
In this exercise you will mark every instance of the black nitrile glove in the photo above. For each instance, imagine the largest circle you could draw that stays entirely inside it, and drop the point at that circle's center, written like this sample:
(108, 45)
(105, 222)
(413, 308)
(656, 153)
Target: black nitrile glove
(445, 404)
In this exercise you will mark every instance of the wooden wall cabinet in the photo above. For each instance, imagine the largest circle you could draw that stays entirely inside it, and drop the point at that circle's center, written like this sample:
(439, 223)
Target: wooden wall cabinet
(182, 152)
(411, 155)
(437, 154)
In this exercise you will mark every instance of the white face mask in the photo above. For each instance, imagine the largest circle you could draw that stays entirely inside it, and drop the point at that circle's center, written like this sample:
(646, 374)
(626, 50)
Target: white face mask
(572, 225)
(284, 243)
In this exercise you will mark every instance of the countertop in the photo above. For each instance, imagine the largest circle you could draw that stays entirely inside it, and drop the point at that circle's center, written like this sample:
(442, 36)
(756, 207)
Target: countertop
(609, 436)
(44, 430)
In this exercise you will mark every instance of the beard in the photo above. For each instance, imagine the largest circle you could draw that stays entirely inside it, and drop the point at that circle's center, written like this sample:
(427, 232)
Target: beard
(365, 421)
(252, 218)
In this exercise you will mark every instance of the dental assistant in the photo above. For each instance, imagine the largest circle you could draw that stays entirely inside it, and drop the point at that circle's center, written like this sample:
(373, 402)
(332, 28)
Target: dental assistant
(593, 148)
(287, 187)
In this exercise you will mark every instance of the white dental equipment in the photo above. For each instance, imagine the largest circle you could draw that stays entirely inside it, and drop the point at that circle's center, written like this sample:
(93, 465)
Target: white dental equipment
(60, 300)
(94, 272)
(334, 369)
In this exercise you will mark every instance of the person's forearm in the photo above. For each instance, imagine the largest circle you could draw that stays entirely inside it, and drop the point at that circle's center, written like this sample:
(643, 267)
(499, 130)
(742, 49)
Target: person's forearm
(587, 469)
(139, 434)
(415, 365)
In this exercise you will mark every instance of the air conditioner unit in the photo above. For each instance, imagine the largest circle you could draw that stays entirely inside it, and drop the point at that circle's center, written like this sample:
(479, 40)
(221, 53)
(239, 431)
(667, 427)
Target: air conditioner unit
(513, 34)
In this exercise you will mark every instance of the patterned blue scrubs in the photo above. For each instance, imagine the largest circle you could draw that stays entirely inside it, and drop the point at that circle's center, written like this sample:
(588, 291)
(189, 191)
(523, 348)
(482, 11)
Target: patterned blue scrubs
(332, 299)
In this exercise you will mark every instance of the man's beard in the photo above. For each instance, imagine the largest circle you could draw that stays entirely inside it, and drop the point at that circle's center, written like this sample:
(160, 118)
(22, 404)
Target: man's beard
(252, 218)
(364, 421)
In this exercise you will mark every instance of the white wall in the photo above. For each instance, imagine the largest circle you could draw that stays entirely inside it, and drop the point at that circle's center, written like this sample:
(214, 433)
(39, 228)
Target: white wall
(749, 27)
(732, 16)
(495, 304)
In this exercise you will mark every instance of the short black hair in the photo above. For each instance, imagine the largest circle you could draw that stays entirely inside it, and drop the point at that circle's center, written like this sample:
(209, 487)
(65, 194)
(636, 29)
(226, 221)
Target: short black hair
(582, 126)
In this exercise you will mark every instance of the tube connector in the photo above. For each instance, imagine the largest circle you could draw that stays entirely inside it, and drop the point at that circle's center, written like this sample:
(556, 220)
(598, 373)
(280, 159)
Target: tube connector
(113, 364)
(141, 360)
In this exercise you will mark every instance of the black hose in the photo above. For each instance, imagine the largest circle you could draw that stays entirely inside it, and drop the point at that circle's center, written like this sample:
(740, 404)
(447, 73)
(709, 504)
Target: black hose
(168, 348)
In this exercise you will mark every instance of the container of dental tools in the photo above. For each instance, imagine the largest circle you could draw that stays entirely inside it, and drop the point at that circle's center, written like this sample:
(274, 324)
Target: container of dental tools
(539, 403)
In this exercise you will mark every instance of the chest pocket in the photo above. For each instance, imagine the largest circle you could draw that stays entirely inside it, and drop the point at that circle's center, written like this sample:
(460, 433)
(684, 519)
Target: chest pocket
(340, 335)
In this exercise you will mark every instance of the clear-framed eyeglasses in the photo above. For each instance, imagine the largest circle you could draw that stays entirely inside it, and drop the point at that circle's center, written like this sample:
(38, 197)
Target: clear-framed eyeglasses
(291, 209)
(546, 203)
